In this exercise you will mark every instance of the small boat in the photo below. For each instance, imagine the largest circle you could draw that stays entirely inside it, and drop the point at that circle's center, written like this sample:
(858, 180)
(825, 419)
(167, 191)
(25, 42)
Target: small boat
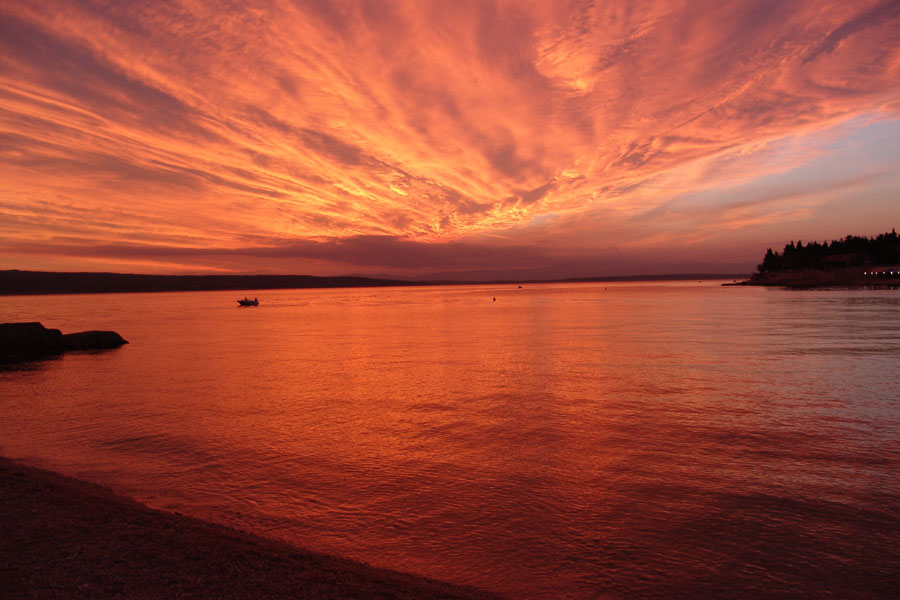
(248, 302)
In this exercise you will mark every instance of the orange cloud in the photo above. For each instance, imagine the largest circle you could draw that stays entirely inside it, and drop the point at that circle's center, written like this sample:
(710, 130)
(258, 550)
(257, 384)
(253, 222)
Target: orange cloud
(192, 128)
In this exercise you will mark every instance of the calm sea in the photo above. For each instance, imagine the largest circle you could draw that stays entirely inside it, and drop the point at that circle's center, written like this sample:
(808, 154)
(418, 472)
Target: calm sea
(564, 441)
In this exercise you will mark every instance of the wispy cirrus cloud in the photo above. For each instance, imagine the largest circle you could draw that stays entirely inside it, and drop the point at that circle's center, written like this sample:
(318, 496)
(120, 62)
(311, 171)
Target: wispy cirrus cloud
(188, 128)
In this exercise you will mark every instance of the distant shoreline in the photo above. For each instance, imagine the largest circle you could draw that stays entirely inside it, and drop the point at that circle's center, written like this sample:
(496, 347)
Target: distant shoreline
(65, 538)
(30, 283)
(852, 277)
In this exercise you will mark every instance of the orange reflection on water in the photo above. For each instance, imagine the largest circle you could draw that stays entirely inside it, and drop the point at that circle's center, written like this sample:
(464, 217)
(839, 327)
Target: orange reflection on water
(563, 440)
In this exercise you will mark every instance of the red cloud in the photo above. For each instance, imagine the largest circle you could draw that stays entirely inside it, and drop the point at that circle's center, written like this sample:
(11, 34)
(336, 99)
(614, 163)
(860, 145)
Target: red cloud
(289, 122)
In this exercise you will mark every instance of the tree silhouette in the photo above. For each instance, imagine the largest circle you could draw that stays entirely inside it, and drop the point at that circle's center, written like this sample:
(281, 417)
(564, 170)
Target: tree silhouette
(853, 250)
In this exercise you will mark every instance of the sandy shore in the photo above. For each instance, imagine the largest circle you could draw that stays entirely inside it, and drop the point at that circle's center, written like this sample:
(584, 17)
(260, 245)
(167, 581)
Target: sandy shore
(65, 538)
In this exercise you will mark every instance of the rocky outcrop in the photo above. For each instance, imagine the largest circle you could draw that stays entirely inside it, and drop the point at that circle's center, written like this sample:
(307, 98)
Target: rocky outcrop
(93, 340)
(26, 341)
(33, 341)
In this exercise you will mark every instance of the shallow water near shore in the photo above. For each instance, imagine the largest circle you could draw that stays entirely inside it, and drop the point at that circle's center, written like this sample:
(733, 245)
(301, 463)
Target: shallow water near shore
(564, 441)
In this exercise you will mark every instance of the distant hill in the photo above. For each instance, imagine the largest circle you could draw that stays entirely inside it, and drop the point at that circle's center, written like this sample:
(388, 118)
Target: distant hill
(21, 283)
(44, 282)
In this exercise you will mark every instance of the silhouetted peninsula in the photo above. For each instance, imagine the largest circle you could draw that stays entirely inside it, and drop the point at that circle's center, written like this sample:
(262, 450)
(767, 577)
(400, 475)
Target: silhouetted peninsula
(853, 260)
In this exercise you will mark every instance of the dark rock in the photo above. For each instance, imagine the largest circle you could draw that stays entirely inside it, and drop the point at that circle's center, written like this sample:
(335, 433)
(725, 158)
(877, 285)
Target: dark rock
(93, 340)
(27, 341)
(33, 341)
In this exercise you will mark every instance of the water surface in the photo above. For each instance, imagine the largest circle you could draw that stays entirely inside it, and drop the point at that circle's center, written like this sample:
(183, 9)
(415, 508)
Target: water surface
(564, 441)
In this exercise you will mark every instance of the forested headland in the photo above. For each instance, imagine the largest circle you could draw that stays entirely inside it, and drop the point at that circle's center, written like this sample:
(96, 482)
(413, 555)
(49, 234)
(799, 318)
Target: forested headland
(852, 260)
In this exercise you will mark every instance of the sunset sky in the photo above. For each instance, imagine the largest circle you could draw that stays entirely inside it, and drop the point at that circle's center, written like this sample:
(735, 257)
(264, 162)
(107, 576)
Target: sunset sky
(453, 138)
